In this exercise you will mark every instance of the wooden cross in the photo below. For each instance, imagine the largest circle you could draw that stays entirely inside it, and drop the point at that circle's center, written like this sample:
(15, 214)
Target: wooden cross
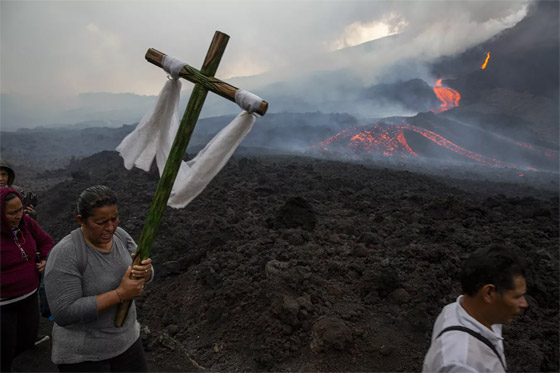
(204, 81)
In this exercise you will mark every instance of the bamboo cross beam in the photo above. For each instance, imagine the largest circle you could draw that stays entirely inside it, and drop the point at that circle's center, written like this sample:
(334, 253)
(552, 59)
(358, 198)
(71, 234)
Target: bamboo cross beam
(211, 83)
(163, 191)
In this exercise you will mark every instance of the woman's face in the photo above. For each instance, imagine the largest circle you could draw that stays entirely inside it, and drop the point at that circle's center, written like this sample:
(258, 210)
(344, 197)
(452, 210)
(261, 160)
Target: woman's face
(101, 225)
(14, 212)
(4, 177)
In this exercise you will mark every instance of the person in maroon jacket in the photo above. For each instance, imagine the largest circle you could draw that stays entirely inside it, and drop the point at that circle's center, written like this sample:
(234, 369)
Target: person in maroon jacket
(21, 239)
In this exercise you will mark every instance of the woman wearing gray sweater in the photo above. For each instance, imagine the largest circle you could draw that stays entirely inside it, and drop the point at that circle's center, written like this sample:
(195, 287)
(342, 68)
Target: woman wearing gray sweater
(86, 277)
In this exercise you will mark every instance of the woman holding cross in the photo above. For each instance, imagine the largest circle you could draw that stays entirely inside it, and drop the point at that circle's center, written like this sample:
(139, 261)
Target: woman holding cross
(87, 276)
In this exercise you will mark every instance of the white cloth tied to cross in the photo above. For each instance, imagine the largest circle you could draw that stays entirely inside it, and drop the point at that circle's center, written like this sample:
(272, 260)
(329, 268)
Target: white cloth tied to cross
(155, 133)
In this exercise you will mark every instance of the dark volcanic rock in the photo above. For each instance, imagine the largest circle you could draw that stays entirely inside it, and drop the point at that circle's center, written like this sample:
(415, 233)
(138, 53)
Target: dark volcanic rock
(296, 212)
(282, 256)
(330, 333)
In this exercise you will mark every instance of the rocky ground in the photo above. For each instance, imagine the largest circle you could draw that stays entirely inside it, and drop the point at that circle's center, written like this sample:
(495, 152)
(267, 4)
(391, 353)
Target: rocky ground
(297, 264)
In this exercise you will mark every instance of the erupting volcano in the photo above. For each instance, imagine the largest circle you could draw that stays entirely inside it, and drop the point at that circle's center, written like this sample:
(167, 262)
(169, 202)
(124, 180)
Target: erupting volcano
(401, 140)
(485, 61)
(449, 97)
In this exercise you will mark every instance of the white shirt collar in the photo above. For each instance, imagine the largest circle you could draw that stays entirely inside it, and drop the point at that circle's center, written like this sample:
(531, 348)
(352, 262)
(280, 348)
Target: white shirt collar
(493, 335)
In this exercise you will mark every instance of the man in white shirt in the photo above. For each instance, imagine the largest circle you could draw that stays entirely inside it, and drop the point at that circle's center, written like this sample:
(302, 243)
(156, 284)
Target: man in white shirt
(467, 334)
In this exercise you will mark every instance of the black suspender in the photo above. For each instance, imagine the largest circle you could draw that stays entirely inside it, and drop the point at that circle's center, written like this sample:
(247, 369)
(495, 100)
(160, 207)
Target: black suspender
(478, 336)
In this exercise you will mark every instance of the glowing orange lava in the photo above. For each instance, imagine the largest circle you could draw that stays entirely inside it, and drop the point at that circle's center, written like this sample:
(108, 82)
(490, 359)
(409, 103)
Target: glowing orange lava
(388, 139)
(385, 140)
(440, 140)
(485, 61)
(449, 97)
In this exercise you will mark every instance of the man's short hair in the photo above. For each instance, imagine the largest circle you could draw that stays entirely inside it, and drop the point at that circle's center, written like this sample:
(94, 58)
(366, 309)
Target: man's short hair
(496, 265)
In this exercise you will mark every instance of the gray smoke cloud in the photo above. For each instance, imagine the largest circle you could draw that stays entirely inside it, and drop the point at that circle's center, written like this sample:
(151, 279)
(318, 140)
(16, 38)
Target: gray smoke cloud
(52, 51)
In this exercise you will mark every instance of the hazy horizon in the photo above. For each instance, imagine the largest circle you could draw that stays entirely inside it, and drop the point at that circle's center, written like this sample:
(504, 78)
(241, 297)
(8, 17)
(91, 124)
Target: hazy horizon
(54, 52)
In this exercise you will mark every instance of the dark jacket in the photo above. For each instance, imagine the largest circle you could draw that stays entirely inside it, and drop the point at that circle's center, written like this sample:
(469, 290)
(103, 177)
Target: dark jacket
(19, 276)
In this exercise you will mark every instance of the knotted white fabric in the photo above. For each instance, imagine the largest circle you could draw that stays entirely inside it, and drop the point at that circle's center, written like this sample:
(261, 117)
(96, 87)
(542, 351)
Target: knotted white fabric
(172, 65)
(154, 136)
(248, 101)
(200, 170)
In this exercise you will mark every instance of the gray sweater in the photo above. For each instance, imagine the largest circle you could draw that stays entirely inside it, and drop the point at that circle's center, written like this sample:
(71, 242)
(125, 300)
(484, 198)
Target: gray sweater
(80, 333)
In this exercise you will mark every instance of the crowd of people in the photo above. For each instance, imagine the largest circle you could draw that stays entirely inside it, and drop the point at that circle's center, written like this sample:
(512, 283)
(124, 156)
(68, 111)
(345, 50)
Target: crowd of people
(89, 273)
(86, 275)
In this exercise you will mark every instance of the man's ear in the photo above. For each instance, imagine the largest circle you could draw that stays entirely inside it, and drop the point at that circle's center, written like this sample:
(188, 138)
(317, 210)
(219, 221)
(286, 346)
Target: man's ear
(488, 292)
(79, 219)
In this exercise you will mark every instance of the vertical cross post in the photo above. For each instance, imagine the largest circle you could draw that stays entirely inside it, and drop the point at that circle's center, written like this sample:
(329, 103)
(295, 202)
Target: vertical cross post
(176, 154)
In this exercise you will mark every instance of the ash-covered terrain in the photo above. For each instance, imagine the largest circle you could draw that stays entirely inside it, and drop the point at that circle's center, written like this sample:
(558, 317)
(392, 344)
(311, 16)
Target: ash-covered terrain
(298, 264)
(330, 241)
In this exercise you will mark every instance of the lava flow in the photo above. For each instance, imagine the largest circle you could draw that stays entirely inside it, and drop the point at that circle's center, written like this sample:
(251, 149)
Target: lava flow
(388, 139)
(485, 61)
(442, 141)
(449, 97)
(549, 153)
(383, 139)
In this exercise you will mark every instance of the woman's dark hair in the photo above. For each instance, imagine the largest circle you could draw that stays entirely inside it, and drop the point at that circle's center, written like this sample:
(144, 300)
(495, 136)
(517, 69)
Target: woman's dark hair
(9, 197)
(494, 265)
(94, 197)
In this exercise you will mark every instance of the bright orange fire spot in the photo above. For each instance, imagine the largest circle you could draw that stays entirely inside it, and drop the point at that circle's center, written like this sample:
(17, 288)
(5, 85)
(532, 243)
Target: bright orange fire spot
(485, 61)
(449, 97)
(386, 140)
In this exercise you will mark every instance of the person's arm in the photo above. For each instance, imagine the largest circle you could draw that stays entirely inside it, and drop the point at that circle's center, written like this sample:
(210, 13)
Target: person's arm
(30, 210)
(40, 266)
(144, 270)
(127, 289)
(42, 239)
(63, 285)
(43, 242)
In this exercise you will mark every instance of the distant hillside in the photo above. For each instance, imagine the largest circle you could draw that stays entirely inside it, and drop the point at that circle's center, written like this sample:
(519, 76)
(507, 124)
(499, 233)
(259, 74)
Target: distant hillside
(507, 115)
(47, 145)
(52, 147)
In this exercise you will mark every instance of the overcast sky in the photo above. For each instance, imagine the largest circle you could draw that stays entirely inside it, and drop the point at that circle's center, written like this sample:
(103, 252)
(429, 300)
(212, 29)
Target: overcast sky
(57, 49)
